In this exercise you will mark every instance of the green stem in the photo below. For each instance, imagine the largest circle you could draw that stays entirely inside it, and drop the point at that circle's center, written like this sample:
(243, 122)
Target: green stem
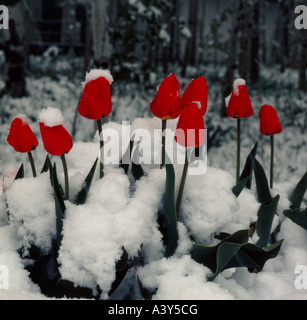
(183, 180)
(164, 124)
(32, 164)
(238, 149)
(101, 144)
(272, 162)
(65, 176)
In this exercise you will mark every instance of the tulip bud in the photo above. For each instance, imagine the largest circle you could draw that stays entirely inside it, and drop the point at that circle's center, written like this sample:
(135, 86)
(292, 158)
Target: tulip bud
(95, 100)
(269, 122)
(166, 104)
(239, 105)
(56, 139)
(196, 92)
(21, 137)
(190, 131)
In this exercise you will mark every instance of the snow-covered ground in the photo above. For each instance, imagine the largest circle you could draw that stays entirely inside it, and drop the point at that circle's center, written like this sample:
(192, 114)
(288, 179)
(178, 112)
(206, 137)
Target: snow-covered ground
(118, 214)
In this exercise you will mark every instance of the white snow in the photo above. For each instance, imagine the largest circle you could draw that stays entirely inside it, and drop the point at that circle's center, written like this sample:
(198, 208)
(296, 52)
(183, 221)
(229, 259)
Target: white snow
(22, 117)
(237, 83)
(97, 73)
(51, 117)
(31, 210)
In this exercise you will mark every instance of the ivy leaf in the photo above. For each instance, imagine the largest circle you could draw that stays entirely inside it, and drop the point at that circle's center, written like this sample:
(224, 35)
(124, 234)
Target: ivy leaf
(83, 193)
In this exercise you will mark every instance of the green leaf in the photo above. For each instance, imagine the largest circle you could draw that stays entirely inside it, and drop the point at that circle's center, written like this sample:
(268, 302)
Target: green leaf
(233, 252)
(60, 207)
(298, 216)
(170, 210)
(249, 165)
(299, 192)
(262, 185)
(237, 189)
(136, 169)
(83, 193)
(47, 165)
(216, 258)
(125, 166)
(20, 173)
(254, 257)
(122, 267)
(264, 223)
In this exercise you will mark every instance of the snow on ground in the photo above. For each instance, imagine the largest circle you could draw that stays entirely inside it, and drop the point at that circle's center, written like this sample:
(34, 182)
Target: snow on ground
(118, 215)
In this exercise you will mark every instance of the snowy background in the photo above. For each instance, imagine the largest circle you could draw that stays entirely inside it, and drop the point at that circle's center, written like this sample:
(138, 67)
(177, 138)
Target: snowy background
(118, 214)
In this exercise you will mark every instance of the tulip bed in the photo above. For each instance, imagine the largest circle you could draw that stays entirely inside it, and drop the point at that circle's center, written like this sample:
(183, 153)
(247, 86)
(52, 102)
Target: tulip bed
(85, 229)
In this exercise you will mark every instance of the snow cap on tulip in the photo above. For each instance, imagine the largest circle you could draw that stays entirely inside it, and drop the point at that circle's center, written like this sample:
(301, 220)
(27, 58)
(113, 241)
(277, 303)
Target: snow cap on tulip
(95, 100)
(239, 104)
(56, 138)
(269, 122)
(166, 104)
(196, 92)
(190, 131)
(21, 137)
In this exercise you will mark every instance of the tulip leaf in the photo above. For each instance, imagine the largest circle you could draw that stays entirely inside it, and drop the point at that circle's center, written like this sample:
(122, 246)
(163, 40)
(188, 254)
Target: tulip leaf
(125, 164)
(122, 267)
(20, 173)
(264, 223)
(249, 166)
(136, 169)
(237, 189)
(262, 185)
(299, 192)
(47, 165)
(298, 216)
(233, 252)
(83, 193)
(170, 210)
(59, 205)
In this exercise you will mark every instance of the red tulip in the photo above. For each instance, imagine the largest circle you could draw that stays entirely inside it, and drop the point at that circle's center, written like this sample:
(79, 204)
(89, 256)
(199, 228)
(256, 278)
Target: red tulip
(21, 137)
(166, 104)
(95, 100)
(56, 139)
(269, 122)
(196, 92)
(239, 105)
(190, 131)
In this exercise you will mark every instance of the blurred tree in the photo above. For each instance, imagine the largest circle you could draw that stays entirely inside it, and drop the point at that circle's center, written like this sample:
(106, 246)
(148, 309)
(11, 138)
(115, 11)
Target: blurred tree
(15, 50)
(100, 30)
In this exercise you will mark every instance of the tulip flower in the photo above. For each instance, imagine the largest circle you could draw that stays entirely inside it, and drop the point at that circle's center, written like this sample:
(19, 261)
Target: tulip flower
(22, 138)
(190, 133)
(269, 126)
(95, 102)
(239, 106)
(196, 92)
(56, 139)
(166, 105)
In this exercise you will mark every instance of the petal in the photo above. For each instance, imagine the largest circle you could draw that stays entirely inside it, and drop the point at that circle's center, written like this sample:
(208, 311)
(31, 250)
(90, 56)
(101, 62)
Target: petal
(21, 137)
(56, 139)
(196, 92)
(96, 99)
(190, 131)
(166, 104)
